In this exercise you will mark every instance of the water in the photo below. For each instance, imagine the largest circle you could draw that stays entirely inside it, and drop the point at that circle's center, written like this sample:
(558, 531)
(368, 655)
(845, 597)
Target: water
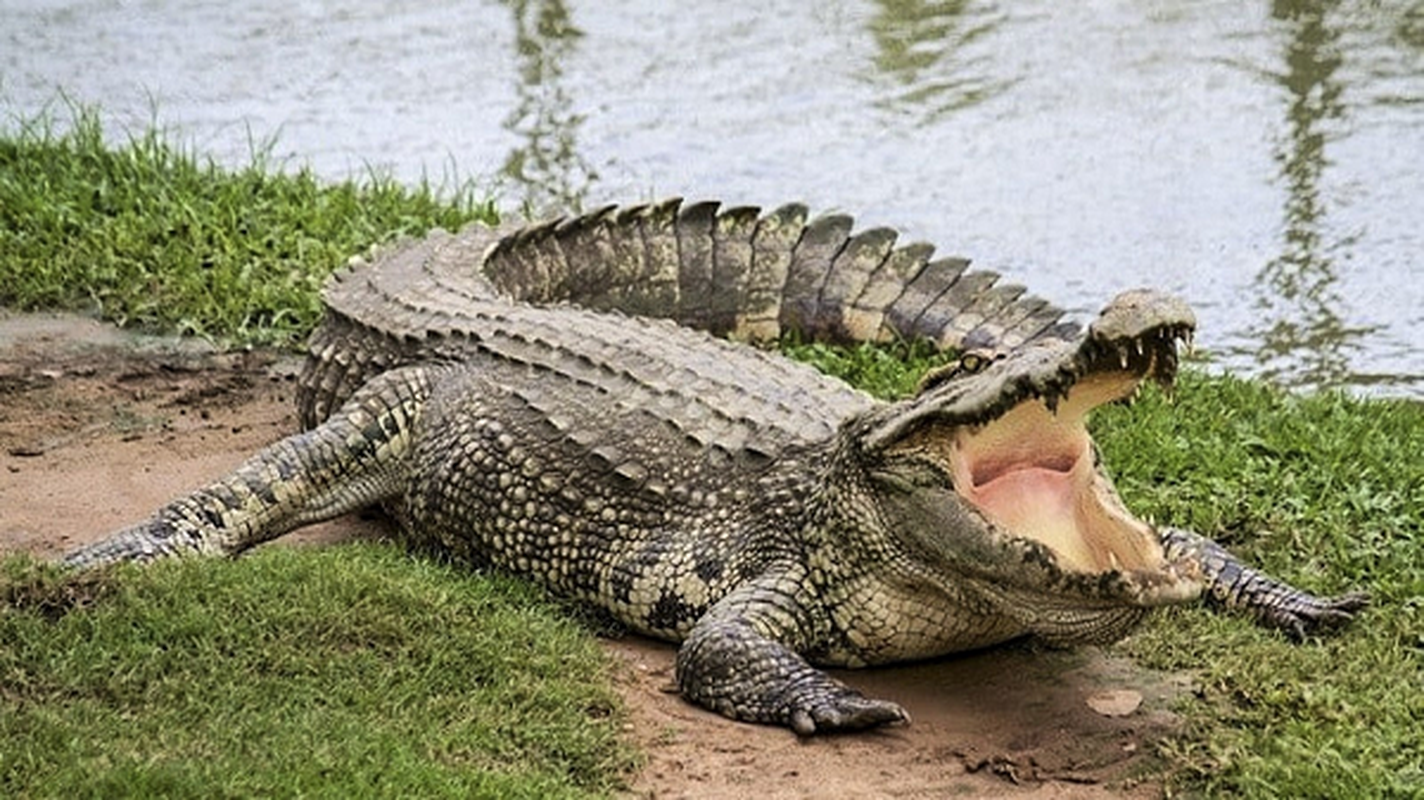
(1264, 160)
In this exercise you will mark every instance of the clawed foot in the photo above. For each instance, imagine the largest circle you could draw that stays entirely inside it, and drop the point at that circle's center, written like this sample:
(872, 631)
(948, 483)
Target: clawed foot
(1307, 614)
(848, 710)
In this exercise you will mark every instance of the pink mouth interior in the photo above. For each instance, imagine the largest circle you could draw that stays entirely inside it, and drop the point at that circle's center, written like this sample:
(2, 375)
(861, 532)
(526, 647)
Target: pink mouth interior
(1031, 473)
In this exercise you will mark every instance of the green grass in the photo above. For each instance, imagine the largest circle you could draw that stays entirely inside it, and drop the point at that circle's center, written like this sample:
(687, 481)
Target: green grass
(887, 371)
(343, 673)
(151, 236)
(305, 668)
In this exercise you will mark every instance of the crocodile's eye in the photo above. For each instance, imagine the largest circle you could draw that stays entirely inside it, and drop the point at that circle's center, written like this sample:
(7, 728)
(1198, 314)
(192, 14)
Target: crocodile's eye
(974, 361)
(970, 362)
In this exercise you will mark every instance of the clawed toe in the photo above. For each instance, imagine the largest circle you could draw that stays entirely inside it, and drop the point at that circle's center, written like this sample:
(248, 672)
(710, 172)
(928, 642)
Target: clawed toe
(1350, 603)
(1320, 613)
(847, 713)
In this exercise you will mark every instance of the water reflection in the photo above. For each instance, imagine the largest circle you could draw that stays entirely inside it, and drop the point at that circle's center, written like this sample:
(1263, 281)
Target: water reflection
(928, 51)
(551, 174)
(1095, 137)
(1304, 340)
(1410, 28)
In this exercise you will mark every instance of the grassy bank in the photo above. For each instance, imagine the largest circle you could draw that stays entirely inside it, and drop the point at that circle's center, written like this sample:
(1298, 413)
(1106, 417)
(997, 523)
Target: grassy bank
(359, 673)
(152, 684)
(151, 236)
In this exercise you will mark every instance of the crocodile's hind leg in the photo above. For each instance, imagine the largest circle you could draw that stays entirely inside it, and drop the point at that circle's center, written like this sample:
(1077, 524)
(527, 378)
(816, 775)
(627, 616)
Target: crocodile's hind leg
(1233, 585)
(348, 462)
(740, 660)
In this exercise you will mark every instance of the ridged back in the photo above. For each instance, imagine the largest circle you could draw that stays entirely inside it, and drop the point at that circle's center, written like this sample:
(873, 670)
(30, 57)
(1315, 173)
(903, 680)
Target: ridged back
(714, 393)
(732, 272)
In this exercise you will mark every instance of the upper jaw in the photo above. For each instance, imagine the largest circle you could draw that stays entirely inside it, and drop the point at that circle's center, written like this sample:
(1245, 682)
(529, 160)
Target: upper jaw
(1134, 336)
(1138, 332)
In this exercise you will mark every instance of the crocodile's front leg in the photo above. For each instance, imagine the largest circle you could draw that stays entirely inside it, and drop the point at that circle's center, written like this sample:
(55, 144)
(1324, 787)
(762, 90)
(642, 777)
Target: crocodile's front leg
(1233, 585)
(346, 463)
(740, 660)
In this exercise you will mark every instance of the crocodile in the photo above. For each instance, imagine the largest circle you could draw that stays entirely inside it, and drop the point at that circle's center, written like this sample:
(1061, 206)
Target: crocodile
(582, 402)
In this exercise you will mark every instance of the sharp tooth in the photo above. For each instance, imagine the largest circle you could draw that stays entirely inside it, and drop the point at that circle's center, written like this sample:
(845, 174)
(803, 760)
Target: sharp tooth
(1112, 559)
(1122, 357)
(1137, 343)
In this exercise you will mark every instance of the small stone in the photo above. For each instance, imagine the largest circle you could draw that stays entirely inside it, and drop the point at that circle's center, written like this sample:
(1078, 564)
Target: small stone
(1116, 703)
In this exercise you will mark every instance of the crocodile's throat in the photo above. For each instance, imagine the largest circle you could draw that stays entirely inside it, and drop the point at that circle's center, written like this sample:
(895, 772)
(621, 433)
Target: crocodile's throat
(1031, 472)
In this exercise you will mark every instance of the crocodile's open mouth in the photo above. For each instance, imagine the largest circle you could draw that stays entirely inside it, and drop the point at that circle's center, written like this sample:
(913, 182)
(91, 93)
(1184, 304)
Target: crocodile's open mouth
(1033, 472)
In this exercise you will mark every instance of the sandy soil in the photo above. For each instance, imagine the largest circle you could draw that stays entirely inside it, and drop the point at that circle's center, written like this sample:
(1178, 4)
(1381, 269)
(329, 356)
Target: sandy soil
(97, 428)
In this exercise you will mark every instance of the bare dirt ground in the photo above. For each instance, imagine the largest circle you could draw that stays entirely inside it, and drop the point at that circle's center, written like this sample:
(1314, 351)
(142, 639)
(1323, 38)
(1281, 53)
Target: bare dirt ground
(98, 428)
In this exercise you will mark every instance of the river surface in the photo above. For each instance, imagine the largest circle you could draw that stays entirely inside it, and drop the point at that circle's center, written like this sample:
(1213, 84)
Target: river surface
(1264, 160)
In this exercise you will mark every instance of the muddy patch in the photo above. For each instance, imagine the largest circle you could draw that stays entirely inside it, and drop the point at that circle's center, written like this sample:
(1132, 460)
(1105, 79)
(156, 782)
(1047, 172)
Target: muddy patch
(98, 428)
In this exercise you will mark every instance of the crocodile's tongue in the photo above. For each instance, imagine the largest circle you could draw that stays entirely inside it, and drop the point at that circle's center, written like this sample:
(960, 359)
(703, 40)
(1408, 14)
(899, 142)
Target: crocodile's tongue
(1043, 501)
(1031, 473)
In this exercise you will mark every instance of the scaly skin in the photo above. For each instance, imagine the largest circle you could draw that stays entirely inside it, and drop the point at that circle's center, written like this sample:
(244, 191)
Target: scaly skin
(733, 274)
(769, 518)
(1233, 585)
